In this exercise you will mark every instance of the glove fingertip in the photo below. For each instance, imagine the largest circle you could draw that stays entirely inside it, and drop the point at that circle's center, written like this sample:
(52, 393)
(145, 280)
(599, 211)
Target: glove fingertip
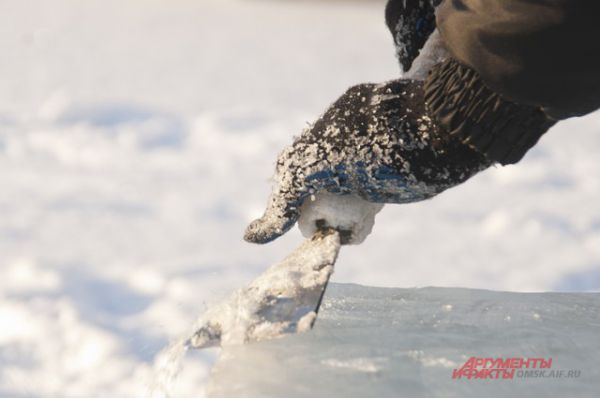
(262, 231)
(255, 233)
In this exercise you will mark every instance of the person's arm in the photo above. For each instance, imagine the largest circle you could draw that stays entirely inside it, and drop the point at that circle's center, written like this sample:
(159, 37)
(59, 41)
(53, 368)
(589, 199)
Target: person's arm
(516, 67)
(538, 52)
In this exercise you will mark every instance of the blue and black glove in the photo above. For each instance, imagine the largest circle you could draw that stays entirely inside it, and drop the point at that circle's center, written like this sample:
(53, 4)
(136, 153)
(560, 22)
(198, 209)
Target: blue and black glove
(376, 141)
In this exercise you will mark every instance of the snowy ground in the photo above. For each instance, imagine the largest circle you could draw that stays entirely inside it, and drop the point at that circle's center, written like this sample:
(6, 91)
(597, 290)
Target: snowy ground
(136, 142)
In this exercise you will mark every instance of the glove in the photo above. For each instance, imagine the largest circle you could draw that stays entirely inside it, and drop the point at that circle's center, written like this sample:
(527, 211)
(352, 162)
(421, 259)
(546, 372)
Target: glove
(411, 22)
(376, 141)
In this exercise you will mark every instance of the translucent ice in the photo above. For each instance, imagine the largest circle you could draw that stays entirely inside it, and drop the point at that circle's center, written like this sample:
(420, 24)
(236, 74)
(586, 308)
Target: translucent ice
(381, 342)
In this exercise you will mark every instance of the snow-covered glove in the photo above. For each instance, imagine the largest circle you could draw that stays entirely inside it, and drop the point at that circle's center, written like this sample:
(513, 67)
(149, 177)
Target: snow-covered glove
(376, 141)
(411, 22)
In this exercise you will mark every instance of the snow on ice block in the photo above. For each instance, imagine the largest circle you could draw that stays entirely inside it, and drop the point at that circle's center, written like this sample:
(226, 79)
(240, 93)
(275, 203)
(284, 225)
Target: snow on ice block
(379, 342)
(352, 216)
(283, 299)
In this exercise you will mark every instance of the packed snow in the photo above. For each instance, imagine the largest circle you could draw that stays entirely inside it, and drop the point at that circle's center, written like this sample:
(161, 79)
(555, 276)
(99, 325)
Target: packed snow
(347, 213)
(135, 142)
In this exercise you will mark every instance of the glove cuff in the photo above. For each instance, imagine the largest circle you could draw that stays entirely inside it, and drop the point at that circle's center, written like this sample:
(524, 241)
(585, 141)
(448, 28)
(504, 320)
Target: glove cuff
(466, 108)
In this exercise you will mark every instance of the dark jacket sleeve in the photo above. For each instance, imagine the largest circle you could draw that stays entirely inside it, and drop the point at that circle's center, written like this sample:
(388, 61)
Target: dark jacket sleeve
(544, 53)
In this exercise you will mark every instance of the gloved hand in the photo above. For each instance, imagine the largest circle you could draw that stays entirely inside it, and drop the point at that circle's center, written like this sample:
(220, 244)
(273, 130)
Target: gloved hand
(411, 22)
(376, 141)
